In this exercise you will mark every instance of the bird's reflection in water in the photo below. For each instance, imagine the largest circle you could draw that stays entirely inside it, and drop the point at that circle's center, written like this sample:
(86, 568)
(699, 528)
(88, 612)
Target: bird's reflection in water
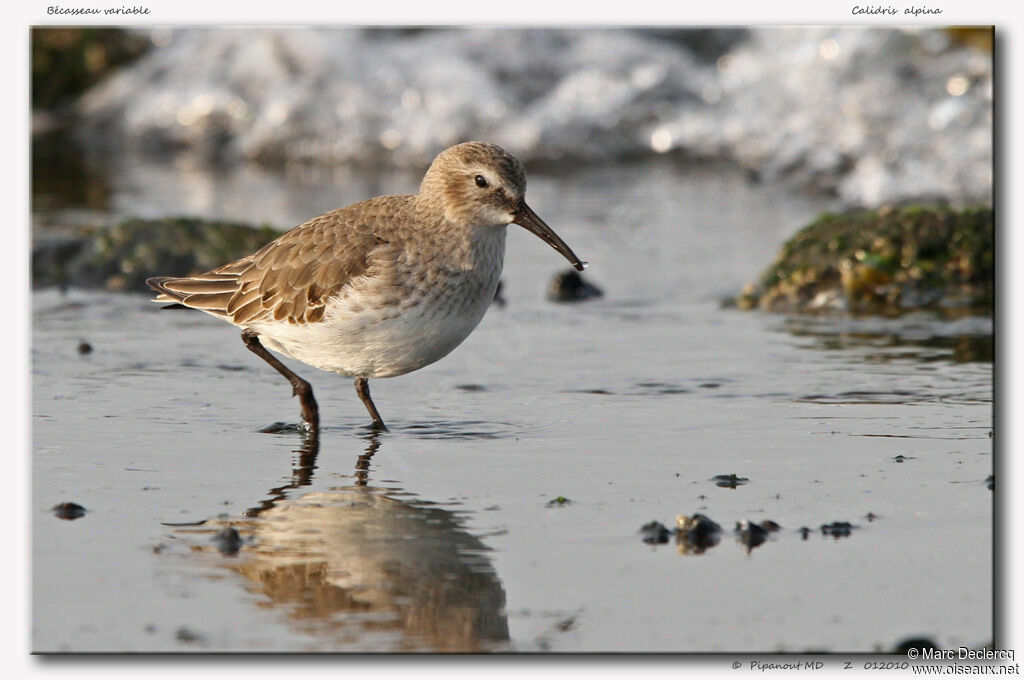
(367, 568)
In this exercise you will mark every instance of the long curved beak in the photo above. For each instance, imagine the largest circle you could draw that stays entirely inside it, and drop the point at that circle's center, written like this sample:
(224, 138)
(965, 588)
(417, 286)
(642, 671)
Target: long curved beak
(526, 218)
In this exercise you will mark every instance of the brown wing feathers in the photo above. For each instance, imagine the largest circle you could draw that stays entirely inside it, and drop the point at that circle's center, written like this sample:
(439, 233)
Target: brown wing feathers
(290, 278)
(202, 292)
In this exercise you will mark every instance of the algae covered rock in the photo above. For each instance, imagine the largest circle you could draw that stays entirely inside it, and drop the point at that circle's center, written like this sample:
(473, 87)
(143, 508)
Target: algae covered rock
(887, 261)
(121, 257)
(66, 61)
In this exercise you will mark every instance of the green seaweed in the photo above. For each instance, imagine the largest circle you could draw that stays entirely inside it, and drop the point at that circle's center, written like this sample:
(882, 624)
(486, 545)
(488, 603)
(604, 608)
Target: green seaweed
(122, 257)
(888, 261)
(68, 61)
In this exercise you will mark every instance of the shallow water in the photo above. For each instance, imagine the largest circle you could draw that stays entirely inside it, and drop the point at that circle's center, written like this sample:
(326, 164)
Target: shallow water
(441, 534)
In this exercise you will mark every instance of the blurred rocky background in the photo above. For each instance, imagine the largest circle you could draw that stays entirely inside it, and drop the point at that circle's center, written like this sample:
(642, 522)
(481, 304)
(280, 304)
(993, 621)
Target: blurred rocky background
(871, 116)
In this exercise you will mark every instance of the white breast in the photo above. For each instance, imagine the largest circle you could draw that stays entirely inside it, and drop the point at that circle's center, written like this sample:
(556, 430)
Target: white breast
(377, 329)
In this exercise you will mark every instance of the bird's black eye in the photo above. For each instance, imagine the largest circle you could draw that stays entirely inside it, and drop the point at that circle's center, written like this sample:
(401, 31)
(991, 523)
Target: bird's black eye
(480, 181)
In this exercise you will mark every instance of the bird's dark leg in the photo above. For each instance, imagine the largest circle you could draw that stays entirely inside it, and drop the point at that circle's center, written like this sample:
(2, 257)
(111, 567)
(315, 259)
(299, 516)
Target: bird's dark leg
(300, 388)
(363, 390)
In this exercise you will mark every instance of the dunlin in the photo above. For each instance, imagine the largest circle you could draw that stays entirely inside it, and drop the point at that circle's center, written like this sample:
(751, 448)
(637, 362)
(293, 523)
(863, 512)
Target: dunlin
(379, 288)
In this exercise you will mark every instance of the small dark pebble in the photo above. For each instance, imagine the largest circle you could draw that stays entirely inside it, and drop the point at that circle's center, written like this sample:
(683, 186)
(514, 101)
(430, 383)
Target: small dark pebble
(804, 532)
(565, 625)
(919, 644)
(84, 348)
(68, 511)
(751, 535)
(228, 541)
(729, 481)
(654, 533)
(558, 502)
(662, 387)
(569, 286)
(697, 533)
(280, 428)
(837, 529)
(871, 517)
(183, 634)
(901, 458)
(471, 388)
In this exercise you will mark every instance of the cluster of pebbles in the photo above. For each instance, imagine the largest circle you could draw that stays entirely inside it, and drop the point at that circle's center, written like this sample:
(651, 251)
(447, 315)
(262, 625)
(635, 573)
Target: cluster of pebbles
(697, 533)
